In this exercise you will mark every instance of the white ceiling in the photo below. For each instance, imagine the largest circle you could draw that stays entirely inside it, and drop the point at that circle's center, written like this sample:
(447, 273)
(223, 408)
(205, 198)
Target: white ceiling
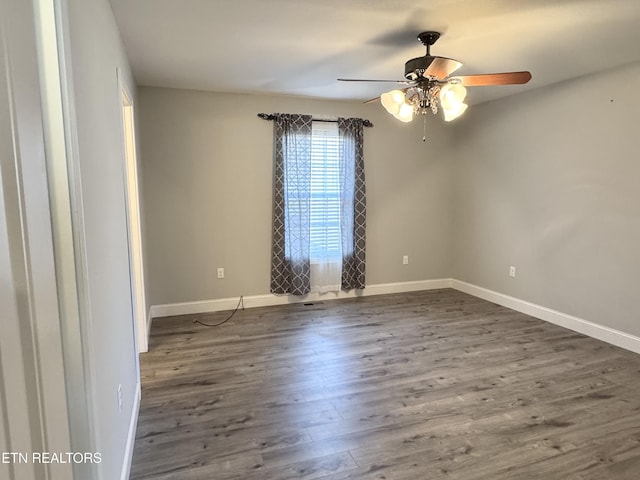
(300, 47)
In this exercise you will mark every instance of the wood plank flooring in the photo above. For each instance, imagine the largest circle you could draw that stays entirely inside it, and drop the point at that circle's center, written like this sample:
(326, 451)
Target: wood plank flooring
(425, 385)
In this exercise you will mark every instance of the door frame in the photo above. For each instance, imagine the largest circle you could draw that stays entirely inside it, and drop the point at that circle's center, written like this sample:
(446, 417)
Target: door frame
(34, 379)
(134, 221)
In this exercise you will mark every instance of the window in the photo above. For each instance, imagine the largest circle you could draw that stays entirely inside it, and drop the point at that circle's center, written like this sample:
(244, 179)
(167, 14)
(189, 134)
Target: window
(325, 206)
(319, 205)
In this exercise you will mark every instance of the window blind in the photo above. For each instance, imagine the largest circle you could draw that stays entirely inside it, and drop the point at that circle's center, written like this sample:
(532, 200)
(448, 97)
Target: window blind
(325, 235)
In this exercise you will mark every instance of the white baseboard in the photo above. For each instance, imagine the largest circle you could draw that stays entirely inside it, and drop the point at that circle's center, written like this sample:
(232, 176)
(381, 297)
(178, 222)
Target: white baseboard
(594, 330)
(188, 308)
(591, 329)
(131, 437)
(144, 348)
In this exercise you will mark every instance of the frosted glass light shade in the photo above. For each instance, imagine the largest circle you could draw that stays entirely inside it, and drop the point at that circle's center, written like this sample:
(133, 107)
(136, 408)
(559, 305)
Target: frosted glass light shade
(406, 113)
(392, 101)
(452, 100)
(454, 112)
(452, 95)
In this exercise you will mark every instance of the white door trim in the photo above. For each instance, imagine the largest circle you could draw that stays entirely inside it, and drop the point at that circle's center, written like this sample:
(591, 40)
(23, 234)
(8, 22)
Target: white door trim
(134, 228)
(33, 373)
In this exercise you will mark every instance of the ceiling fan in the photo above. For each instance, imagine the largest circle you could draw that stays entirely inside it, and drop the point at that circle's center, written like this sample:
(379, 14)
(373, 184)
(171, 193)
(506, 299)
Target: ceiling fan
(430, 85)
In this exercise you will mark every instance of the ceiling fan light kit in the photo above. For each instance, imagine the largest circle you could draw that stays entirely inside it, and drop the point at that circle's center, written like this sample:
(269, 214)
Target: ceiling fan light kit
(431, 86)
(450, 97)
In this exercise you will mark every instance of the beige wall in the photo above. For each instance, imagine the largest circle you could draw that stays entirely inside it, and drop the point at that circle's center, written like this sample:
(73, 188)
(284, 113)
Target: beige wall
(207, 175)
(549, 182)
(96, 55)
(545, 181)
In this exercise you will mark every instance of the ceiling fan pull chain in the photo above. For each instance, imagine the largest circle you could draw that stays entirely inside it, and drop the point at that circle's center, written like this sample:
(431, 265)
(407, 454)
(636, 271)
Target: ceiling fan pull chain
(424, 128)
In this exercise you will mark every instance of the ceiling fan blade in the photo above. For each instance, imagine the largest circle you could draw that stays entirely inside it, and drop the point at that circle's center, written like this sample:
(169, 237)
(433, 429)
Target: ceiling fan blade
(488, 79)
(403, 90)
(441, 67)
(402, 82)
(376, 99)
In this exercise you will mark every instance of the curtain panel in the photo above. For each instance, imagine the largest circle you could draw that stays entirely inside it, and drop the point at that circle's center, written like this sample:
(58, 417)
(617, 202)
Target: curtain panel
(290, 264)
(353, 202)
(291, 239)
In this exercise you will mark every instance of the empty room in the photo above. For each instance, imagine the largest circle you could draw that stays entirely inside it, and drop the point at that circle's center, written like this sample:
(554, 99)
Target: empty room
(372, 239)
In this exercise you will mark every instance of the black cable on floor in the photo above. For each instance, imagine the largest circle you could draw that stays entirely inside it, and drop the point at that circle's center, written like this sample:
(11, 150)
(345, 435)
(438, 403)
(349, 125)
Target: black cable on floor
(240, 302)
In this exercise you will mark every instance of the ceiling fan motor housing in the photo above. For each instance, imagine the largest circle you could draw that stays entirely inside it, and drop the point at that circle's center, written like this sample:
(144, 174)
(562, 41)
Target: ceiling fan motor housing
(415, 68)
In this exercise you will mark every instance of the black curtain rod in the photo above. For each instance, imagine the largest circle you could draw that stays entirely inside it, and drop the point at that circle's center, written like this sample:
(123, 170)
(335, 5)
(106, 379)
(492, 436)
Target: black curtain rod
(271, 116)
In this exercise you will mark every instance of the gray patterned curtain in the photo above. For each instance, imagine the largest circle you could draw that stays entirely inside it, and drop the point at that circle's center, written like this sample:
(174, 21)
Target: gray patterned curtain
(290, 265)
(353, 202)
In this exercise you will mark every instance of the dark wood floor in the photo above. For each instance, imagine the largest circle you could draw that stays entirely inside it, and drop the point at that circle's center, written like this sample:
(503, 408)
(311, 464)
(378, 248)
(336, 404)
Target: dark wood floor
(426, 385)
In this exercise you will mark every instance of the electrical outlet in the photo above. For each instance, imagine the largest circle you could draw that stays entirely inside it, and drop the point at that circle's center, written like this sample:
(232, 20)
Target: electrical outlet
(512, 271)
(221, 273)
(120, 398)
(405, 260)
